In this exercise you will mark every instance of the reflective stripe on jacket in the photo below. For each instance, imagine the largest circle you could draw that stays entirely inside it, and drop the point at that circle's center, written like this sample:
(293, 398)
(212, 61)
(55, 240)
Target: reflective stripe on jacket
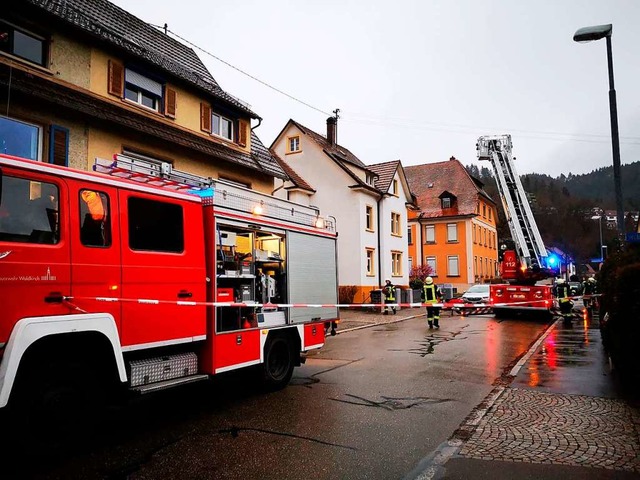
(389, 292)
(430, 293)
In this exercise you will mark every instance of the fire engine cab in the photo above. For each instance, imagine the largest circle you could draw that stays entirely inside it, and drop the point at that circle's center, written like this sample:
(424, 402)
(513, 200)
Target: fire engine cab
(524, 260)
(141, 276)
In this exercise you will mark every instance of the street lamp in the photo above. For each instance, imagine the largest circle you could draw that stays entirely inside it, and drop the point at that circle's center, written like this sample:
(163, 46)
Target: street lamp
(587, 34)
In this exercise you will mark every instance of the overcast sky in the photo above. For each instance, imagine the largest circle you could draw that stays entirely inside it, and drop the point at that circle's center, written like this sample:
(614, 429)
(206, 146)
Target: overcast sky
(421, 80)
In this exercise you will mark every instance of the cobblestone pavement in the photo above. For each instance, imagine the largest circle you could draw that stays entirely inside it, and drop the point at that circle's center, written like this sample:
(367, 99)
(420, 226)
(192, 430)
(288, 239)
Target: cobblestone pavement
(538, 427)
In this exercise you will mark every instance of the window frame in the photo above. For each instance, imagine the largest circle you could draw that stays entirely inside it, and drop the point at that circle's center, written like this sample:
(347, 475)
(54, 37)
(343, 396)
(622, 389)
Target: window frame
(449, 239)
(409, 235)
(395, 187)
(131, 217)
(292, 139)
(427, 229)
(396, 224)
(34, 36)
(221, 117)
(368, 218)
(370, 261)
(40, 135)
(446, 202)
(457, 265)
(396, 263)
(104, 196)
(129, 85)
(432, 261)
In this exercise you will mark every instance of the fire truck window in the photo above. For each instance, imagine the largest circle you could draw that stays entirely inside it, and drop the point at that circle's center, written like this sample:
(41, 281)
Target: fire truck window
(95, 221)
(155, 226)
(29, 211)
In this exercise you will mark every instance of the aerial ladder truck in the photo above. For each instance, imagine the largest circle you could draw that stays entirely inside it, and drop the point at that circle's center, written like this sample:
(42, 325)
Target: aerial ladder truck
(524, 260)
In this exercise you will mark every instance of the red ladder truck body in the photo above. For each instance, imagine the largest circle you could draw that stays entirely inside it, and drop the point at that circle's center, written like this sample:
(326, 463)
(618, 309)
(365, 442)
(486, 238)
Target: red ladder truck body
(151, 278)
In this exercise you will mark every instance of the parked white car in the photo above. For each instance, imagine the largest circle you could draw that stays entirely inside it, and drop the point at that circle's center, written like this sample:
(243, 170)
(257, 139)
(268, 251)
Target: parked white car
(478, 293)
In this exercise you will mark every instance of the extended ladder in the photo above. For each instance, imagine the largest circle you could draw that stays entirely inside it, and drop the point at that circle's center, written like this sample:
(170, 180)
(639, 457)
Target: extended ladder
(522, 224)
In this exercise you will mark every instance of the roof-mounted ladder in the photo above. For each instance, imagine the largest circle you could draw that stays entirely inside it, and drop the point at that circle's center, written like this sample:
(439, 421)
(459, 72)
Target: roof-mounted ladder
(159, 174)
(522, 224)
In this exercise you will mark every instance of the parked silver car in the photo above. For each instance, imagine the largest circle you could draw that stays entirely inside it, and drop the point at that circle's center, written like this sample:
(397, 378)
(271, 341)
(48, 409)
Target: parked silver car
(478, 293)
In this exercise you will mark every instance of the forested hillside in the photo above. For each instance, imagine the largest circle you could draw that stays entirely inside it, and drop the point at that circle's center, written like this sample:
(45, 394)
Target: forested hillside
(562, 206)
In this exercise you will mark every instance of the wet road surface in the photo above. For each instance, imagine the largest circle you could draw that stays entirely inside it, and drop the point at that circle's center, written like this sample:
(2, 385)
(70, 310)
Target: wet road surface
(371, 404)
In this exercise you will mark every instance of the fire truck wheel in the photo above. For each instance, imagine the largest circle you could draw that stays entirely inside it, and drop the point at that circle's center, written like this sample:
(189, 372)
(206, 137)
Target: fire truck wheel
(279, 362)
(59, 410)
(499, 313)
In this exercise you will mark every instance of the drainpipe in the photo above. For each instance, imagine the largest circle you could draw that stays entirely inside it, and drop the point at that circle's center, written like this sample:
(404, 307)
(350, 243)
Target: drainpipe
(379, 242)
(259, 123)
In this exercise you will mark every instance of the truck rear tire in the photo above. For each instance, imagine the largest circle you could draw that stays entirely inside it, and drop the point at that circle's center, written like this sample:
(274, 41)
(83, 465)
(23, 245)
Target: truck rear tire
(279, 362)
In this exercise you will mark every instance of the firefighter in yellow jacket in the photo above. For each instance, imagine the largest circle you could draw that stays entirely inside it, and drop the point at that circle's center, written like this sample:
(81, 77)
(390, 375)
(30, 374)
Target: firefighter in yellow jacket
(389, 292)
(431, 295)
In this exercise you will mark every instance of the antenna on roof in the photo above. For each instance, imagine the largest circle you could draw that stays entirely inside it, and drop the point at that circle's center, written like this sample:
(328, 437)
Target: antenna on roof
(336, 112)
(166, 27)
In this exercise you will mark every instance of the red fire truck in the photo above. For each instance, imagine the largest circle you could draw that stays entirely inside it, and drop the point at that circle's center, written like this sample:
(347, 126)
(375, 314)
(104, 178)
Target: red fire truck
(524, 261)
(144, 277)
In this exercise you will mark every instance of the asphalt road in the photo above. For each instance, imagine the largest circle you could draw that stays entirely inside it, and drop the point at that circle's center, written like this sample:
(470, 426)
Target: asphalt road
(373, 403)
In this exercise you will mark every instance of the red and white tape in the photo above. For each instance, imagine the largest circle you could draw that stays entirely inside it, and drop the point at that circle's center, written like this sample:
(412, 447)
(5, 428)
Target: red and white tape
(185, 303)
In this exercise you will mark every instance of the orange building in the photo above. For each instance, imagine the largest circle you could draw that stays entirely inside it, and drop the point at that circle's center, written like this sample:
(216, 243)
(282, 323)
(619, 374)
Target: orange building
(454, 228)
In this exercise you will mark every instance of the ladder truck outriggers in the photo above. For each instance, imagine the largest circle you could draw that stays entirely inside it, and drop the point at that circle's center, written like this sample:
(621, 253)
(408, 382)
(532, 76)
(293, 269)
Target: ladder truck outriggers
(524, 260)
(140, 277)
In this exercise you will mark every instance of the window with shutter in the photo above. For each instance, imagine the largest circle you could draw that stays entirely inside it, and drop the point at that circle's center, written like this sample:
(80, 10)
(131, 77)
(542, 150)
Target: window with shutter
(116, 78)
(59, 146)
(170, 98)
(242, 133)
(205, 117)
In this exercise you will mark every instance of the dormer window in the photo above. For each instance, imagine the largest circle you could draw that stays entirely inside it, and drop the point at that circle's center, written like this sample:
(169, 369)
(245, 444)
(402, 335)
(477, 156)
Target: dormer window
(22, 44)
(221, 126)
(142, 90)
(446, 202)
(370, 179)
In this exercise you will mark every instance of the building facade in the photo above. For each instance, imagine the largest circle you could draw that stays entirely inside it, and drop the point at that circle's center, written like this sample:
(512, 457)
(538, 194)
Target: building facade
(84, 79)
(368, 204)
(454, 228)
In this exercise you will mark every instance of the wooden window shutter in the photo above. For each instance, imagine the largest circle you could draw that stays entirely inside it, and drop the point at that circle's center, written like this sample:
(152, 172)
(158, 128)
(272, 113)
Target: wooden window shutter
(116, 78)
(170, 98)
(59, 145)
(242, 133)
(205, 117)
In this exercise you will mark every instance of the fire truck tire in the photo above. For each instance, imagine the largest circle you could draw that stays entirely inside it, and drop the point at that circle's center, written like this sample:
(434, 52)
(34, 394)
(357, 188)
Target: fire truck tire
(499, 313)
(279, 362)
(60, 409)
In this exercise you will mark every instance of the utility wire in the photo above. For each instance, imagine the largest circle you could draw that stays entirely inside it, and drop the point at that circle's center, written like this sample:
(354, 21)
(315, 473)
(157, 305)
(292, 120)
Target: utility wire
(386, 121)
(240, 70)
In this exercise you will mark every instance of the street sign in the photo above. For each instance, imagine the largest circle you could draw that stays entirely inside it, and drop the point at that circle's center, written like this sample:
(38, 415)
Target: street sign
(633, 237)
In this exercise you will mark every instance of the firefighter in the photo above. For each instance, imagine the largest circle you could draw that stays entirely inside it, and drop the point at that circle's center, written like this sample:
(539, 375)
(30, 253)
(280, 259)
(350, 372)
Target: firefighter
(431, 295)
(564, 299)
(389, 291)
(589, 291)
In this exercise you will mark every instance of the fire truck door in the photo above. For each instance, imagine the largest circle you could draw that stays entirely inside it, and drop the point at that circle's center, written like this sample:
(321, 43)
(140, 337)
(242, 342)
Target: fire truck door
(34, 247)
(163, 268)
(95, 247)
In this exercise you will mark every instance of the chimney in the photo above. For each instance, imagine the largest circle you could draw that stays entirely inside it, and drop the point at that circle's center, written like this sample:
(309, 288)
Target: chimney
(332, 130)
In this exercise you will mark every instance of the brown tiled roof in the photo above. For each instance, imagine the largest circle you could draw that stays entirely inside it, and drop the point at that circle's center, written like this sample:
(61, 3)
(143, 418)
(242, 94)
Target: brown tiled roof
(34, 89)
(430, 180)
(296, 179)
(117, 27)
(385, 172)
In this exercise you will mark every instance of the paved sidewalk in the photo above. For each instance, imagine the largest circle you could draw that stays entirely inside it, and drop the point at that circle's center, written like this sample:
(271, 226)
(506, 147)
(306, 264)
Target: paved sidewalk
(559, 413)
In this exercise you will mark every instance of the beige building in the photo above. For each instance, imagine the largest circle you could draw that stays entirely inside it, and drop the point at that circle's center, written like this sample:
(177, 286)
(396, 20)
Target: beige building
(84, 79)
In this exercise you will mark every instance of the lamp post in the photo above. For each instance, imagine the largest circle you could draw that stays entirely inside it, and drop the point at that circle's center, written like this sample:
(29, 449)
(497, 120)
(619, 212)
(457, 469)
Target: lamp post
(588, 34)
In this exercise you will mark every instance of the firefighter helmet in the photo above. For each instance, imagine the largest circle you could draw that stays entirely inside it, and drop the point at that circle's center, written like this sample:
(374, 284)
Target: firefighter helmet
(428, 280)
(591, 280)
(560, 281)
